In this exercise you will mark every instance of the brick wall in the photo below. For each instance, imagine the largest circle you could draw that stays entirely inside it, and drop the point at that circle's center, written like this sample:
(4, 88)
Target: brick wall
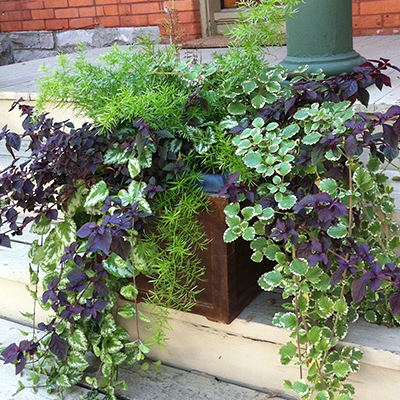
(376, 17)
(52, 15)
(370, 17)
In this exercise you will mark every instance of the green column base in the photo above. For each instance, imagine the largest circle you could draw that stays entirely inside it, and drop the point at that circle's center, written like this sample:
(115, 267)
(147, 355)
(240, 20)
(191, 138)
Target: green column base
(331, 65)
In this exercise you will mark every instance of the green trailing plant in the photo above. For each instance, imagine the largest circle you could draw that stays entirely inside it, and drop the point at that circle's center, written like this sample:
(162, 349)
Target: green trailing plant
(178, 240)
(157, 123)
(325, 220)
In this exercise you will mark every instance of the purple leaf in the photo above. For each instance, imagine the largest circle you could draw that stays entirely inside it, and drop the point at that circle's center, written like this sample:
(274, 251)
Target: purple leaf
(268, 202)
(28, 187)
(100, 289)
(11, 215)
(58, 346)
(46, 296)
(312, 200)
(100, 242)
(10, 353)
(393, 110)
(390, 136)
(363, 96)
(375, 284)
(336, 276)
(21, 364)
(78, 280)
(86, 229)
(100, 305)
(396, 127)
(4, 240)
(394, 301)
(232, 178)
(350, 146)
(13, 140)
(303, 250)
(52, 214)
(350, 87)
(120, 247)
(359, 287)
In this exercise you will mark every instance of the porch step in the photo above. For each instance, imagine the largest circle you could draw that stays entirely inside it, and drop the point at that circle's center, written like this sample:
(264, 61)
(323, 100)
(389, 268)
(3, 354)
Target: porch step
(169, 384)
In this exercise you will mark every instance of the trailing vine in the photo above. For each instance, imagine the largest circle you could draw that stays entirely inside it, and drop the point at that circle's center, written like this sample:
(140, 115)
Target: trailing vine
(325, 219)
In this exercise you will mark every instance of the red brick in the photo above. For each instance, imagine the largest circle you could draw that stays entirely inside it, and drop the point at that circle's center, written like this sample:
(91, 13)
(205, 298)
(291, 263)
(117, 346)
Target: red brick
(156, 19)
(132, 2)
(11, 26)
(189, 16)
(183, 5)
(100, 11)
(379, 7)
(42, 14)
(356, 9)
(81, 3)
(106, 2)
(67, 13)
(86, 12)
(367, 22)
(109, 21)
(391, 21)
(32, 4)
(4, 16)
(191, 29)
(78, 23)
(55, 3)
(134, 20)
(20, 15)
(374, 32)
(124, 9)
(145, 8)
(56, 24)
(36, 25)
(9, 6)
(110, 10)
(90, 11)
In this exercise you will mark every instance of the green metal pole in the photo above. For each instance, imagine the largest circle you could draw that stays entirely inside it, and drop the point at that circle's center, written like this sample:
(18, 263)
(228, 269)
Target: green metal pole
(320, 34)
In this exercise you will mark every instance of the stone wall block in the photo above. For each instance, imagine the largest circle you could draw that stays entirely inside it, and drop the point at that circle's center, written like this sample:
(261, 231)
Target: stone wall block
(125, 36)
(67, 41)
(6, 55)
(25, 40)
(46, 40)
(26, 46)
(152, 31)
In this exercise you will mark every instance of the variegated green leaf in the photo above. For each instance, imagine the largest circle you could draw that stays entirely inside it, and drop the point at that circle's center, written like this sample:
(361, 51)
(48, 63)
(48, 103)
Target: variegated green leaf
(338, 231)
(78, 340)
(133, 167)
(98, 193)
(258, 101)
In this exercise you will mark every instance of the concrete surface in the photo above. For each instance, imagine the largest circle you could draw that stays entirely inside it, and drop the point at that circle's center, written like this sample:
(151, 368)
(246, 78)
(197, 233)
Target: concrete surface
(169, 384)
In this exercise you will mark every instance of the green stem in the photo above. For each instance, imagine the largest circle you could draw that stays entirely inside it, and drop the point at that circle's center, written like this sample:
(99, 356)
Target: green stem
(370, 220)
(297, 321)
(134, 283)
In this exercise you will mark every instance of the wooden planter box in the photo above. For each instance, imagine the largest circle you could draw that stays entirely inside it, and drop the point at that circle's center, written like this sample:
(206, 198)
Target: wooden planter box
(230, 279)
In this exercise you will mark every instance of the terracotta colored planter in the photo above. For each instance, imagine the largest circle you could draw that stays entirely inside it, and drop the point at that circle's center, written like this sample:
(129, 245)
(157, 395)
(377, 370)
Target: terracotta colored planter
(230, 280)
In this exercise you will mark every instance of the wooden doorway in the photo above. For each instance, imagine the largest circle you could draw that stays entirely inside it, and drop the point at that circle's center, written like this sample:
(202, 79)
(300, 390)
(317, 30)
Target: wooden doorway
(229, 4)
